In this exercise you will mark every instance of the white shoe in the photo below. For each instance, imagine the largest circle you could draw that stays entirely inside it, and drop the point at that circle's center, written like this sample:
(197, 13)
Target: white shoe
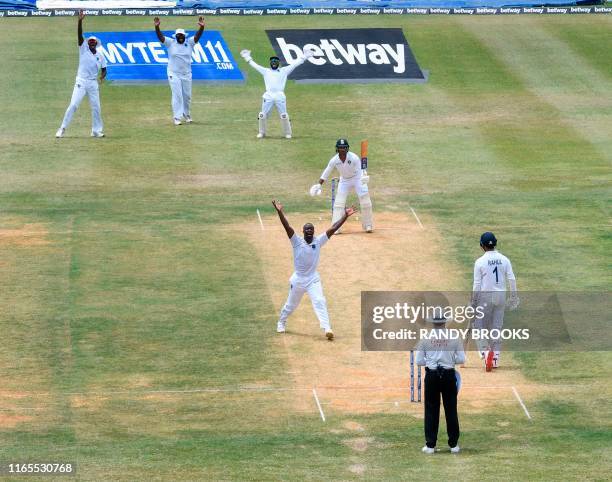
(369, 229)
(455, 449)
(280, 327)
(97, 134)
(177, 122)
(60, 132)
(329, 335)
(188, 119)
(428, 450)
(288, 136)
(260, 136)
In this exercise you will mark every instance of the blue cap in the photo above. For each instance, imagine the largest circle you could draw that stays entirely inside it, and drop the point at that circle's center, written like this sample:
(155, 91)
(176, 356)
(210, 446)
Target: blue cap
(488, 240)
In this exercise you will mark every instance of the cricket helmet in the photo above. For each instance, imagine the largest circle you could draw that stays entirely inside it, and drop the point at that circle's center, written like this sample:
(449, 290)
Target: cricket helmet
(488, 240)
(342, 144)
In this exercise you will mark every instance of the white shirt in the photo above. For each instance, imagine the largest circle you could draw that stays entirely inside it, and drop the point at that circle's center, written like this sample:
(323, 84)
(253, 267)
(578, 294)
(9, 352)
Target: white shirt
(275, 79)
(443, 352)
(89, 63)
(179, 56)
(491, 271)
(306, 257)
(348, 169)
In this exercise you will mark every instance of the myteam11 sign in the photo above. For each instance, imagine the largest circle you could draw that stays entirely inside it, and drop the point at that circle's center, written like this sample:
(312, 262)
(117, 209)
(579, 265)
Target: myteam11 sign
(139, 57)
(348, 55)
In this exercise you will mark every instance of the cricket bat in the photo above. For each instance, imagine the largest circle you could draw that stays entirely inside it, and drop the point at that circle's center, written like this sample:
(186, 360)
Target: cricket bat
(364, 156)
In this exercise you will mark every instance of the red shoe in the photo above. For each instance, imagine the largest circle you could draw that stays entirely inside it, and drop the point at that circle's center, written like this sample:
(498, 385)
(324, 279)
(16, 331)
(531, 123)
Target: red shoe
(489, 362)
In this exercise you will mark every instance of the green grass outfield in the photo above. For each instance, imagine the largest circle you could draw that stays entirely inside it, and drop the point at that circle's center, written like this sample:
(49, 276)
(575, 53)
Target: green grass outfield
(129, 276)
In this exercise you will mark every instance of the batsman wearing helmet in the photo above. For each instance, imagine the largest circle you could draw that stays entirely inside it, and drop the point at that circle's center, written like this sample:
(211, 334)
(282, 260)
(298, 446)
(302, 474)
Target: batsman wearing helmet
(352, 177)
(491, 271)
(275, 79)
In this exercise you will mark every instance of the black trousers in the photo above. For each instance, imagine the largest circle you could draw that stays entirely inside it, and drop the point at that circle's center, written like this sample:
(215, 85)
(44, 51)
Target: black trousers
(441, 382)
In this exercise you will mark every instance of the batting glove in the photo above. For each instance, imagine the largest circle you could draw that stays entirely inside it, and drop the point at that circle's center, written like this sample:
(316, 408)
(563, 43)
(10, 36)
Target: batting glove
(315, 190)
(365, 179)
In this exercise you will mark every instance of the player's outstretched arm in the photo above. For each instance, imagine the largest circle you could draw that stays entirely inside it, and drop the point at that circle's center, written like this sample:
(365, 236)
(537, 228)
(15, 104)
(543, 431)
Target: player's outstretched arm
(200, 31)
(279, 209)
(158, 31)
(336, 226)
(246, 55)
(80, 28)
(306, 54)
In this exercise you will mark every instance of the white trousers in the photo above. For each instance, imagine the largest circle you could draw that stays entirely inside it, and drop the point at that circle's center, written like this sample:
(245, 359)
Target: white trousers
(344, 188)
(181, 95)
(91, 89)
(319, 304)
(267, 104)
(346, 185)
(494, 304)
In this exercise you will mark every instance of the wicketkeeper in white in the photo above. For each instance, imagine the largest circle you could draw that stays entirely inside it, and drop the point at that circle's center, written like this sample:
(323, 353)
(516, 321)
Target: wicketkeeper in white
(180, 49)
(275, 79)
(305, 278)
(352, 177)
(91, 61)
(491, 271)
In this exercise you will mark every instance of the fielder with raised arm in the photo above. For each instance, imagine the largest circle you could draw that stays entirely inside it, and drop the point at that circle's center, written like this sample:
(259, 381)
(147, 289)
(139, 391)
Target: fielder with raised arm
(275, 79)
(90, 63)
(491, 271)
(305, 278)
(352, 177)
(180, 50)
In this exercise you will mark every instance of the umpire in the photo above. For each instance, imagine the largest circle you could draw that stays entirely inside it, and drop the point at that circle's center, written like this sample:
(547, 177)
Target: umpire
(439, 355)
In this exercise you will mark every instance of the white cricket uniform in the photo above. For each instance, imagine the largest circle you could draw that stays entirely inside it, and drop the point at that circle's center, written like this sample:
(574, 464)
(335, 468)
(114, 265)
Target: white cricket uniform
(350, 174)
(491, 272)
(306, 279)
(179, 75)
(275, 80)
(87, 84)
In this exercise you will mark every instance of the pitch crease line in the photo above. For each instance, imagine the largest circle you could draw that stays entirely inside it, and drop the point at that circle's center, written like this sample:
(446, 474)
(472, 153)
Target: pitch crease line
(260, 221)
(5, 393)
(518, 397)
(314, 393)
(416, 217)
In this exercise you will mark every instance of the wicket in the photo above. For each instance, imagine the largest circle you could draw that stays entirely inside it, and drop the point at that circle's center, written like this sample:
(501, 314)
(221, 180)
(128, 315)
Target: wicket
(334, 184)
(412, 379)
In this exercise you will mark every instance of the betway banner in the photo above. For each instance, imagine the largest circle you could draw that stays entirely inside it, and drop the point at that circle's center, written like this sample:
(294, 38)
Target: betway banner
(140, 57)
(348, 55)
